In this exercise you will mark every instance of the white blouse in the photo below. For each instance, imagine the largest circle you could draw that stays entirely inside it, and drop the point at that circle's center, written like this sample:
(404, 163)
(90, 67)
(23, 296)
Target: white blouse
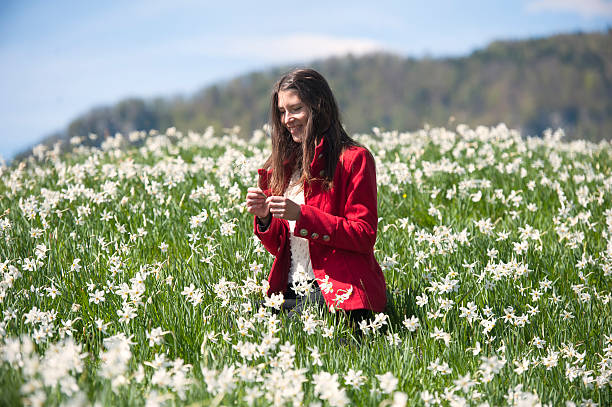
(301, 267)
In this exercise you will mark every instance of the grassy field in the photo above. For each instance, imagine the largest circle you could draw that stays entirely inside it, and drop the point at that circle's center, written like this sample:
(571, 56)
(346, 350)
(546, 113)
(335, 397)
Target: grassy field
(131, 276)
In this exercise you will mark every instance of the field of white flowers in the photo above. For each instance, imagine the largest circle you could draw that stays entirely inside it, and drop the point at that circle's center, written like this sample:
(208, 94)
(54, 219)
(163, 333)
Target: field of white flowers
(130, 276)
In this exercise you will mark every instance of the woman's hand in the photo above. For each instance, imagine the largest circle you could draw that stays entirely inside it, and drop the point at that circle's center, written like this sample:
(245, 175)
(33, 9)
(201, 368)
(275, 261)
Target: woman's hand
(281, 207)
(256, 203)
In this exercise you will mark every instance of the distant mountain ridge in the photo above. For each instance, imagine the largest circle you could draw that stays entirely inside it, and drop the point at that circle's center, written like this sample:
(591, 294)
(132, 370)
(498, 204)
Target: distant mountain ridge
(559, 81)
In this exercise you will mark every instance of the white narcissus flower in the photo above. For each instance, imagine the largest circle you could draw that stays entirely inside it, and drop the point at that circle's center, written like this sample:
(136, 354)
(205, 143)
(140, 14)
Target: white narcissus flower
(115, 358)
(275, 300)
(219, 382)
(439, 334)
(428, 398)
(400, 399)
(476, 197)
(469, 312)
(126, 314)
(388, 382)
(464, 383)
(316, 356)
(522, 365)
(75, 267)
(96, 297)
(412, 323)
(354, 378)
(328, 388)
(52, 291)
(155, 336)
(421, 300)
(393, 339)
(188, 291)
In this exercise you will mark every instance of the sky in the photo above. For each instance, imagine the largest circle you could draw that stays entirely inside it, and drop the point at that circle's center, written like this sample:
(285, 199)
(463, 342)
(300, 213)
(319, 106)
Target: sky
(62, 58)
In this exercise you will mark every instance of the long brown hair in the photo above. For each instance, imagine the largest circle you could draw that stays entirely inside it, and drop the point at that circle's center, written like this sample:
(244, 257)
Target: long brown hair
(323, 121)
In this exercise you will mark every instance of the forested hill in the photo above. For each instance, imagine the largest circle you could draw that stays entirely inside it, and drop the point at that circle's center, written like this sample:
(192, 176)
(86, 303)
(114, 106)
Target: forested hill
(559, 81)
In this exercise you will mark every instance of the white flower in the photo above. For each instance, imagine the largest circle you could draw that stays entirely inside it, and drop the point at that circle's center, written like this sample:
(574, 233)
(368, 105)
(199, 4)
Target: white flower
(41, 251)
(126, 314)
(52, 291)
(388, 382)
(101, 326)
(328, 388)
(400, 399)
(439, 334)
(275, 300)
(393, 339)
(96, 297)
(75, 267)
(115, 359)
(227, 228)
(539, 343)
(491, 364)
(379, 320)
(219, 382)
(316, 356)
(522, 365)
(427, 397)
(488, 325)
(421, 300)
(411, 324)
(520, 247)
(469, 312)
(550, 360)
(188, 291)
(155, 336)
(354, 378)
(251, 394)
(328, 331)
(441, 368)
(464, 383)
(326, 285)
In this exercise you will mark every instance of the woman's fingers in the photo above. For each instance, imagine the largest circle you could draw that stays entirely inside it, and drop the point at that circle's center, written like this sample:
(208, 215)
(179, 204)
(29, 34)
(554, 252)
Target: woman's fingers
(281, 207)
(255, 199)
(255, 191)
(256, 195)
(256, 202)
(258, 211)
(276, 205)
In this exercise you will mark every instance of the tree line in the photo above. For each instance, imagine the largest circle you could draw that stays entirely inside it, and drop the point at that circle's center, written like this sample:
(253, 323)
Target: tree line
(557, 81)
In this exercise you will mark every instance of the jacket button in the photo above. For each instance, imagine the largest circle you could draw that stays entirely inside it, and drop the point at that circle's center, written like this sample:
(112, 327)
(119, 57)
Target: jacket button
(315, 235)
(303, 232)
(326, 238)
(321, 173)
(320, 156)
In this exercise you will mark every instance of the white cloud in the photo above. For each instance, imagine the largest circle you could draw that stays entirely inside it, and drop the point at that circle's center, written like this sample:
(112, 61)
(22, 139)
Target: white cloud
(302, 46)
(586, 8)
(281, 48)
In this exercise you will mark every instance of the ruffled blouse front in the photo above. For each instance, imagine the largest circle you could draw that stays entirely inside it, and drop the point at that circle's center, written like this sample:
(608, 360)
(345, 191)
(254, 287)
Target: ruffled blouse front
(301, 267)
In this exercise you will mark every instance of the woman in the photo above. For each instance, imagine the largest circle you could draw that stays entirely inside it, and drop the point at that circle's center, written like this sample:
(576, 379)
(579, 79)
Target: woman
(316, 207)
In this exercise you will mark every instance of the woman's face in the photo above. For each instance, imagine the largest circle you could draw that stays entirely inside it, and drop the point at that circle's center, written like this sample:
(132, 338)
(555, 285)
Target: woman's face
(293, 113)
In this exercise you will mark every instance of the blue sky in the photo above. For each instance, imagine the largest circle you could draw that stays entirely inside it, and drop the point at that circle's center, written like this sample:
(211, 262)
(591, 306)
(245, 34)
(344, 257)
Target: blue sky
(61, 58)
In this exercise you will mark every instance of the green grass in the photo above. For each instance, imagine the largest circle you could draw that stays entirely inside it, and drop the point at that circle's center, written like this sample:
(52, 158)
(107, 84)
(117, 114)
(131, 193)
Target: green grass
(428, 236)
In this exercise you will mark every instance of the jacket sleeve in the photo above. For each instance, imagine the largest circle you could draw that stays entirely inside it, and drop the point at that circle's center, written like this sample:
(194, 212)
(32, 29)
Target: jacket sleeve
(356, 230)
(274, 236)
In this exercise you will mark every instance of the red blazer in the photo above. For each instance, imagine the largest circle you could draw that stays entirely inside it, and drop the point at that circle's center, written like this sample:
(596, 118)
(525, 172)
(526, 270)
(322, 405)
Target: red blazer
(340, 225)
